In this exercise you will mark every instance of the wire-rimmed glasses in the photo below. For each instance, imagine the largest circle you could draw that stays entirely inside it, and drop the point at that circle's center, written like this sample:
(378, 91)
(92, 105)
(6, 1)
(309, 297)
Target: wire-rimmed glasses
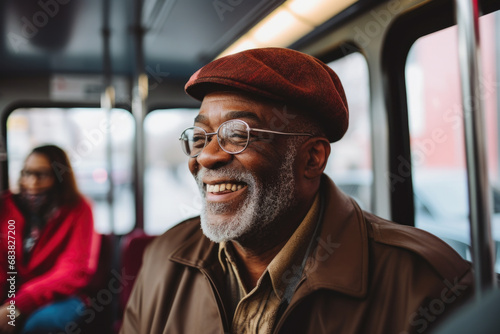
(233, 137)
(37, 174)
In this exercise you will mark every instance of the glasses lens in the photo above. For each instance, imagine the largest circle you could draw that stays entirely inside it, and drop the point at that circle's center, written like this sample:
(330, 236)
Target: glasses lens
(40, 175)
(193, 141)
(233, 136)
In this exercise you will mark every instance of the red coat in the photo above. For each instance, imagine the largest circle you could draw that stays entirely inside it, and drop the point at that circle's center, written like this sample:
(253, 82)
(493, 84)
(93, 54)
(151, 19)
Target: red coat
(62, 262)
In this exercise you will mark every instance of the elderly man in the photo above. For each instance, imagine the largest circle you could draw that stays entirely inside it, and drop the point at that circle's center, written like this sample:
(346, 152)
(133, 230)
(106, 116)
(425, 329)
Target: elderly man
(281, 249)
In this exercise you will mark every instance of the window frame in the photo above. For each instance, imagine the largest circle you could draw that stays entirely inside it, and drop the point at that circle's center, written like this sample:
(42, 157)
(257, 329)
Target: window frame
(404, 32)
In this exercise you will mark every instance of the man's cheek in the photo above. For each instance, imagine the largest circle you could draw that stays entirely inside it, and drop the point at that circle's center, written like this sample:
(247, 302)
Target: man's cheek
(192, 165)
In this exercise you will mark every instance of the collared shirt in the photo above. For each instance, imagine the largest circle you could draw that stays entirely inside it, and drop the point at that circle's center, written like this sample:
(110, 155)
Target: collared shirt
(255, 311)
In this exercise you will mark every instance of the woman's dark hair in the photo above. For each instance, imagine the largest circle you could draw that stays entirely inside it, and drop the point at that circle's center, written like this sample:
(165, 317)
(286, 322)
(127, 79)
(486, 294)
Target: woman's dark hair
(64, 190)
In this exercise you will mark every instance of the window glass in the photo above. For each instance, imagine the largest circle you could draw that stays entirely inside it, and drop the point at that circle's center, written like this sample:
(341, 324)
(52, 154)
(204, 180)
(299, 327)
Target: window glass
(83, 133)
(170, 192)
(437, 134)
(350, 163)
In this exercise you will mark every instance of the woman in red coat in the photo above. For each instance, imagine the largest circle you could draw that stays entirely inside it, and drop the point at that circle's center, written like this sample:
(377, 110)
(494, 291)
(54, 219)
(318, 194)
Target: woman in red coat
(48, 247)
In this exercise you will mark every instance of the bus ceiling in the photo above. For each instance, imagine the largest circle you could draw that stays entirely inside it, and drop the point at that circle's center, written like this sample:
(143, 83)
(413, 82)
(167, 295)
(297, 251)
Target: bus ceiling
(66, 36)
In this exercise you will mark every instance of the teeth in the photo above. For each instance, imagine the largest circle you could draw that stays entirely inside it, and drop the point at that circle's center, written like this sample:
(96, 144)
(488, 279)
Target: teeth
(215, 188)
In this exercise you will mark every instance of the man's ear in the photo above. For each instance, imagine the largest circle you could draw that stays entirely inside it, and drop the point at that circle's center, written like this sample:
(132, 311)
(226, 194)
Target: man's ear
(317, 151)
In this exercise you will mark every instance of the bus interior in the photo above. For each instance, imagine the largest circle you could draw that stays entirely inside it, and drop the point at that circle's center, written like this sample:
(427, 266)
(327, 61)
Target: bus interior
(104, 80)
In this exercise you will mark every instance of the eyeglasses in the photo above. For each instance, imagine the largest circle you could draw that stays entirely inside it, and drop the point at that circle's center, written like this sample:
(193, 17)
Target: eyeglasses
(39, 175)
(233, 137)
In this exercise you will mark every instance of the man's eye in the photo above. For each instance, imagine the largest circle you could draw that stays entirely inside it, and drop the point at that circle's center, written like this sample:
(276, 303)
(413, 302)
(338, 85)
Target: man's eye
(198, 141)
(238, 135)
(238, 140)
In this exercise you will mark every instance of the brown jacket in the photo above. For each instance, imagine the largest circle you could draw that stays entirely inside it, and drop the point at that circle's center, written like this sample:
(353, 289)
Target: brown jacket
(365, 275)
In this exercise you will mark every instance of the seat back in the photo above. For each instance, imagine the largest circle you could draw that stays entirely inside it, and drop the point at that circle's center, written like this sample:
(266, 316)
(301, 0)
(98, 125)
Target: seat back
(132, 250)
(99, 317)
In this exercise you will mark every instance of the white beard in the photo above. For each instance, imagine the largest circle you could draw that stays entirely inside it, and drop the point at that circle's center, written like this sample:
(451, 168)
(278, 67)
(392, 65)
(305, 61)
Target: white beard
(260, 208)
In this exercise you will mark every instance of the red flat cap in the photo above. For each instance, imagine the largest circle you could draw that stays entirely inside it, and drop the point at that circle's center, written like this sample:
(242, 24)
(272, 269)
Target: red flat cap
(283, 75)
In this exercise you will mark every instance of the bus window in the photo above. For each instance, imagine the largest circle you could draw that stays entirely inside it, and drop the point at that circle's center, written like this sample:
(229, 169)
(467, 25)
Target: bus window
(83, 133)
(437, 134)
(350, 162)
(170, 192)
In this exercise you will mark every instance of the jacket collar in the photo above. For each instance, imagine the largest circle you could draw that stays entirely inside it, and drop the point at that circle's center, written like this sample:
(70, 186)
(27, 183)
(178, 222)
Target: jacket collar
(338, 262)
(197, 251)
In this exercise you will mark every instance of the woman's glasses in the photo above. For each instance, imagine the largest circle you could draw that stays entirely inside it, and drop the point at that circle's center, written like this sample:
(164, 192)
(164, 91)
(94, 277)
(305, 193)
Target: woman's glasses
(38, 174)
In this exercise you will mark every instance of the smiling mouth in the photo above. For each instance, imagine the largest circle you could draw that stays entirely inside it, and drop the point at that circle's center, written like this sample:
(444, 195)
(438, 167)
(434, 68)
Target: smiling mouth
(224, 187)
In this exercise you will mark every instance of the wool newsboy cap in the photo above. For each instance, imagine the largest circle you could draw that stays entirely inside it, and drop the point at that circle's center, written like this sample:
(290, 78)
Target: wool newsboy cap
(282, 75)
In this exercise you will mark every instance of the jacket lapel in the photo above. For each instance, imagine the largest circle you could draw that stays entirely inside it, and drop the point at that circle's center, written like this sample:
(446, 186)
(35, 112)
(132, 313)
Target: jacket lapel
(340, 260)
(201, 253)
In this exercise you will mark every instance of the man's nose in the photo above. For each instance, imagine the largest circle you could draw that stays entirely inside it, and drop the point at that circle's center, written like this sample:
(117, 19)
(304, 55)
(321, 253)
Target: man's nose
(213, 156)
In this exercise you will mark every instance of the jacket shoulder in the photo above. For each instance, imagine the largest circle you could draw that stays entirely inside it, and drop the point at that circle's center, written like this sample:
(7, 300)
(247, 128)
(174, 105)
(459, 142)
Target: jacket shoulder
(83, 204)
(438, 254)
(175, 237)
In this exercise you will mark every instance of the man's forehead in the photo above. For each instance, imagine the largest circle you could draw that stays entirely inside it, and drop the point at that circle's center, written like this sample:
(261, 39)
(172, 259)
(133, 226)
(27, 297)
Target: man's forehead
(231, 105)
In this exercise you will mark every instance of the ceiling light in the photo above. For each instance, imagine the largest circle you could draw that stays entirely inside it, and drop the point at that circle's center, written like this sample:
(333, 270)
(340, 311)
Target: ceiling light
(280, 29)
(288, 23)
(317, 11)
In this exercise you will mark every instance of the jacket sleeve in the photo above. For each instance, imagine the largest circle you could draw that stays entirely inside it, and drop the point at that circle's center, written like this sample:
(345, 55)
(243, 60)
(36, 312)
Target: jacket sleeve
(3, 264)
(72, 270)
(6, 215)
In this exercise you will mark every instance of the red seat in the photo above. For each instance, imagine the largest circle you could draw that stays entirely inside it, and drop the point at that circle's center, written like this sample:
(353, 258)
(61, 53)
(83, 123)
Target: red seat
(132, 249)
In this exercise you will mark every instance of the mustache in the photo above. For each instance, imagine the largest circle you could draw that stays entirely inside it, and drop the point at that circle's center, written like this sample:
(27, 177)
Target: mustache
(225, 172)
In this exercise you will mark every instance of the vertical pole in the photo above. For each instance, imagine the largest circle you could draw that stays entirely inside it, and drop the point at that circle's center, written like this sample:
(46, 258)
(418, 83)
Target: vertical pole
(107, 103)
(467, 15)
(496, 17)
(139, 96)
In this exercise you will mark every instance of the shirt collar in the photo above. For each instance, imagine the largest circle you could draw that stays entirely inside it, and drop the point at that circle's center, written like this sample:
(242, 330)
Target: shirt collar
(287, 262)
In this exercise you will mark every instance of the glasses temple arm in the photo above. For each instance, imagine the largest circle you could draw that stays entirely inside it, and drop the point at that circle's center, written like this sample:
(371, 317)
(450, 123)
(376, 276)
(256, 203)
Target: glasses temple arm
(283, 133)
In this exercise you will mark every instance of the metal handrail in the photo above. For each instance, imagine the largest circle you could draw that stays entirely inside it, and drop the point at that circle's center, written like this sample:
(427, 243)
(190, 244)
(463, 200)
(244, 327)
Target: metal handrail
(467, 16)
(139, 107)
